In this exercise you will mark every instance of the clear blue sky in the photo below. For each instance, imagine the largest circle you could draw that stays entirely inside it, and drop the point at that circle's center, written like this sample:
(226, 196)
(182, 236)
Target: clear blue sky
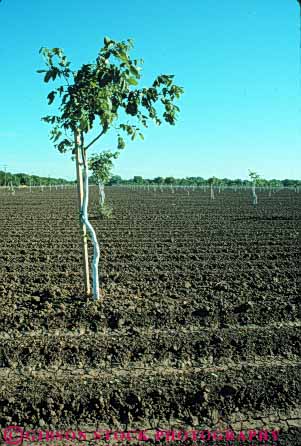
(237, 60)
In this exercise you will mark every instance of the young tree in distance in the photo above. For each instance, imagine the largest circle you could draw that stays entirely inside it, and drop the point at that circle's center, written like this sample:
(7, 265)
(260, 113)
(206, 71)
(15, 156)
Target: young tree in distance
(102, 94)
(101, 165)
(254, 178)
(213, 182)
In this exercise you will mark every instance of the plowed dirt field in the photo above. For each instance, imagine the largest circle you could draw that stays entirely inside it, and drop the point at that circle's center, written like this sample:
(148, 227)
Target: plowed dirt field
(199, 324)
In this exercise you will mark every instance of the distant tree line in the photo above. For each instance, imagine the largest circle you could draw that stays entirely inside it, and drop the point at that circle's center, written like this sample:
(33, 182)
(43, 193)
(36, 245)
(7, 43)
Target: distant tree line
(198, 181)
(23, 179)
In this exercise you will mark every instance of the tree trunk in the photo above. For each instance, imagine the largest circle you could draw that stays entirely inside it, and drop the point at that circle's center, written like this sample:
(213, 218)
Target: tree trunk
(102, 195)
(85, 219)
(80, 192)
(254, 194)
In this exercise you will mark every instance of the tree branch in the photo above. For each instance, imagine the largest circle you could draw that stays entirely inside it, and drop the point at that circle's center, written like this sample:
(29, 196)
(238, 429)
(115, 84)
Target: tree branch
(95, 139)
(83, 150)
(66, 78)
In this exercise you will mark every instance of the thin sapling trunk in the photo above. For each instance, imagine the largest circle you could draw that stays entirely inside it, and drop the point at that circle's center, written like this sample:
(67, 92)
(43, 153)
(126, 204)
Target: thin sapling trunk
(86, 222)
(254, 193)
(102, 195)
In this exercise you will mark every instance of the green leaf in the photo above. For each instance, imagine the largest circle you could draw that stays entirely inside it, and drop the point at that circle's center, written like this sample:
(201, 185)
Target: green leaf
(132, 81)
(57, 136)
(48, 76)
(122, 56)
(57, 51)
(121, 143)
(141, 136)
(107, 41)
(84, 123)
(134, 71)
(51, 97)
(54, 73)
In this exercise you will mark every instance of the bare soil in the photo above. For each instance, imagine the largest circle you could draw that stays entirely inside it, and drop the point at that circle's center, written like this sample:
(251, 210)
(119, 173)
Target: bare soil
(199, 324)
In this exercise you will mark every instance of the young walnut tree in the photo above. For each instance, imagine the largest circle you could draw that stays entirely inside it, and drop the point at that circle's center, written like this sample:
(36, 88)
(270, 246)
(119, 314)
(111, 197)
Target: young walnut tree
(103, 95)
(101, 165)
(254, 178)
(213, 182)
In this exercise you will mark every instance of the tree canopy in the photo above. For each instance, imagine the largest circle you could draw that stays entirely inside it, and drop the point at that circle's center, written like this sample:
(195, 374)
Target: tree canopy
(105, 91)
